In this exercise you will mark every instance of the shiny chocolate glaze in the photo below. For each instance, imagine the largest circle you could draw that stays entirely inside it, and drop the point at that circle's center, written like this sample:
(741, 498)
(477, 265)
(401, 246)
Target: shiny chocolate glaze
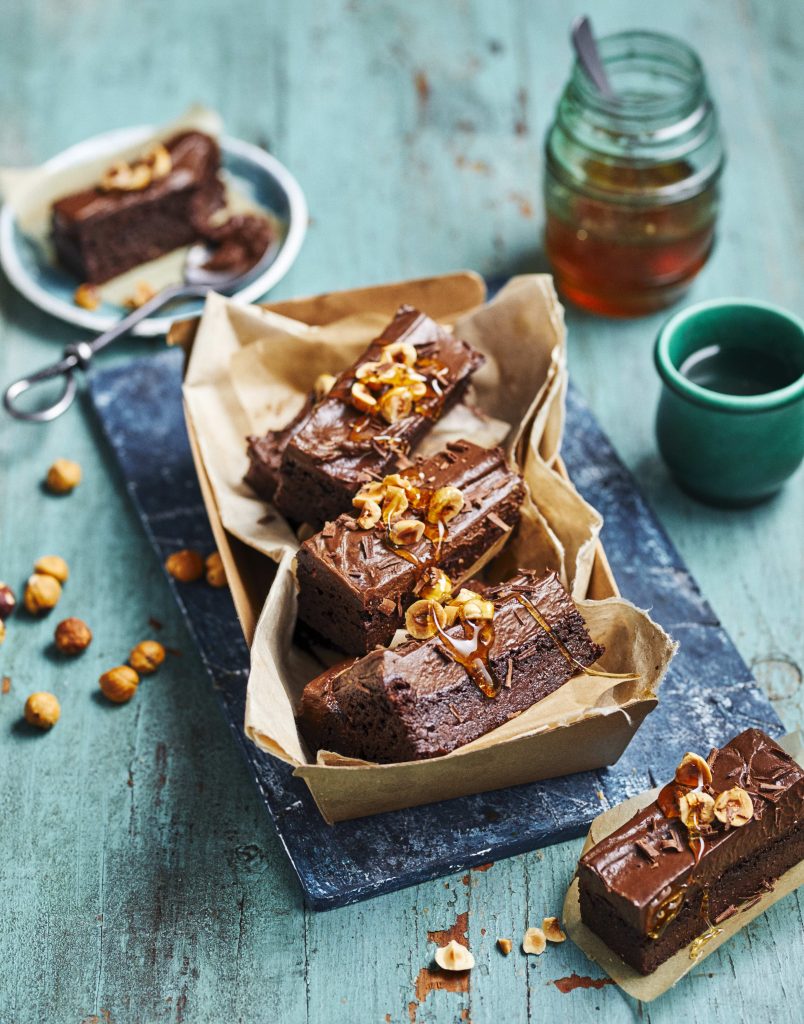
(635, 885)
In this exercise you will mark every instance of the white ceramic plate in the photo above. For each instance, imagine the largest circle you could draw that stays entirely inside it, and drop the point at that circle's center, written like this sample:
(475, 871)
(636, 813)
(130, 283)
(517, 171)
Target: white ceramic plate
(253, 173)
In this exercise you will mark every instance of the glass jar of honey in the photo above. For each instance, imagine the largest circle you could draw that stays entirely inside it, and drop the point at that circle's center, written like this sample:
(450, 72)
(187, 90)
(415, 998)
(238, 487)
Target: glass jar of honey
(631, 183)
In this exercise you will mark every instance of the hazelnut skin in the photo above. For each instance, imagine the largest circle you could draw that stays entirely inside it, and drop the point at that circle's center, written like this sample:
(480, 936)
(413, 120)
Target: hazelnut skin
(42, 710)
(119, 684)
(186, 566)
(41, 593)
(52, 565)
(146, 657)
(216, 574)
(72, 636)
(8, 601)
(63, 476)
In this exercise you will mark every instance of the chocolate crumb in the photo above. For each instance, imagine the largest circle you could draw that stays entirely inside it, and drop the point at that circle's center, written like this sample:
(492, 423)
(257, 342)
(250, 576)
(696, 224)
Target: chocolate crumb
(646, 847)
(387, 606)
(329, 530)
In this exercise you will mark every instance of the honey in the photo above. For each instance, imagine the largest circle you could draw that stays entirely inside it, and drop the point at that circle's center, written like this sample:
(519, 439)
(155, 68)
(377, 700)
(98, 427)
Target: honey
(631, 183)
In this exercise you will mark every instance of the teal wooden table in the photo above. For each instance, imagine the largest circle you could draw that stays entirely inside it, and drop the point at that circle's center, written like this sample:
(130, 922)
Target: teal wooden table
(141, 880)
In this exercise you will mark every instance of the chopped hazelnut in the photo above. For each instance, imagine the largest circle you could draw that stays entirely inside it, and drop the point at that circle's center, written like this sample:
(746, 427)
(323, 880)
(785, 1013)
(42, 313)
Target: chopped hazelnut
(552, 930)
(41, 593)
(362, 399)
(52, 565)
(435, 584)
(42, 709)
(505, 946)
(423, 619)
(216, 574)
(370, 516)
(87, 296)
(477, 608)
(395, 504)
(186, 565)
(159, 160)
(454, 957)
(323, 385)
(445, 504)
(63, 476)
(2, 632)
(374, 490)
(534, 941)
(8, 601)
(696, 808)
(119, 684)
(396, 404)
(405, 532)
(734, 807)
(465, 595)
(418, 389)
(72, 636)
(146, 657)
(693, 771)
(143, 292)
(399, 352)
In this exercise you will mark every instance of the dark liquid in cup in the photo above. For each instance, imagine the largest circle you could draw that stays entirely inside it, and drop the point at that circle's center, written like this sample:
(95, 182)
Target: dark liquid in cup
(737, 371)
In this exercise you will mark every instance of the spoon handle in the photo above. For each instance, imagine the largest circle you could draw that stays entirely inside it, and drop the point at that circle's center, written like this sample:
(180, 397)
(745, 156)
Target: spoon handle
(589, 55)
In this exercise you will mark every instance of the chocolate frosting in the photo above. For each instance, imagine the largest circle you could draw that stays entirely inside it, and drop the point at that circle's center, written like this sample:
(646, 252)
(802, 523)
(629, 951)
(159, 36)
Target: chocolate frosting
(618, 870)
(194, 158)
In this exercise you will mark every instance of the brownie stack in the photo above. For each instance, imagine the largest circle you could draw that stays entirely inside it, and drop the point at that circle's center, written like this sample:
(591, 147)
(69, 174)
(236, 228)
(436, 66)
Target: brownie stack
(399, 542)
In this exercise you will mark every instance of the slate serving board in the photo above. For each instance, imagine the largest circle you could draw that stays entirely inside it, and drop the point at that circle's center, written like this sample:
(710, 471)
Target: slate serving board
(707, 696)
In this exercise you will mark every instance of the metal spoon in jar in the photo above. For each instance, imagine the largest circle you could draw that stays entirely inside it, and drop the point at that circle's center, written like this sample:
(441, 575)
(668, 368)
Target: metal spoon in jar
(586, 48)
(197, 283)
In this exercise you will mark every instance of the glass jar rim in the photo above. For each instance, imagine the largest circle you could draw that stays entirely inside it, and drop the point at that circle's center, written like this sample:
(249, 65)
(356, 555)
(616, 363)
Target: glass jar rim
(635, 47)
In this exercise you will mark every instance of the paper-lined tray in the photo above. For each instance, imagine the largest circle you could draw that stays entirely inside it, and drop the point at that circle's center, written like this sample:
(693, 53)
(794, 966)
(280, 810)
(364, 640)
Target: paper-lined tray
(651, 986)
(250, 369)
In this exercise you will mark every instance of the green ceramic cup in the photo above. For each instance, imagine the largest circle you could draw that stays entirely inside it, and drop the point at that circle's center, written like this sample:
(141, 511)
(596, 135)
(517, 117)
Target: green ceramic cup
(731, 426)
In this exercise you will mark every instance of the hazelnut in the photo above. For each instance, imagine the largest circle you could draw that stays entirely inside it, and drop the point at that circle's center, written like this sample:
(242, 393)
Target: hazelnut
(395, 504)
(435, 585)
(405, 532)
(52, 565)
(418, 389)
(552, 930)
(186, 565)
(451, 613)
(696, 808)
(143, 293)
(423, 619)
(42, 709)
(159, 161)
(445, 504)
(119, 684)
(41, 593)
(2, 632)
(464, 595)
(693, 771)
(374, 490)
(454, 957)
(370, 516)
(367, 373)
(362, 399)
(125, 177)
(72, 636)
(734, 807)
(323, 385)
(63, 476)
(86, 296)
(216, 574)
(396, 404)
(146, 657)
(399, 352)
(534, 941)
(477, 608)
(8, 601)
(505, 946)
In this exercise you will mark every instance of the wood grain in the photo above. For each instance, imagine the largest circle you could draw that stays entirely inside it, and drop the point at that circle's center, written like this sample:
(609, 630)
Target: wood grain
(141, 880)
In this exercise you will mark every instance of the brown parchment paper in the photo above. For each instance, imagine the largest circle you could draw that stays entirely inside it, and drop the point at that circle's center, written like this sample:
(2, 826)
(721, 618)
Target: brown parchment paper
(250, 369)
(32, 192)
(650, 987)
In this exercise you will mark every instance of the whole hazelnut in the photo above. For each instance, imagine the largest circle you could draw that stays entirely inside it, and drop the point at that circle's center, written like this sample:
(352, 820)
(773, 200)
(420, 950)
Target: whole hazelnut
(216, 574)
(72, 636)
(8, 601)
(52, 565)
(42, 710)
(119, 684)
(87, 296)
(41, 593)
(146, 657)
(186, 566)
(63, 476)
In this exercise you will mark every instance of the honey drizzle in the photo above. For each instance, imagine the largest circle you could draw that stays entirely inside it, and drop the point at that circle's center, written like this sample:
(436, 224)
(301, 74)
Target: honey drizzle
(472, 653)
(570, 658)
(712, 931)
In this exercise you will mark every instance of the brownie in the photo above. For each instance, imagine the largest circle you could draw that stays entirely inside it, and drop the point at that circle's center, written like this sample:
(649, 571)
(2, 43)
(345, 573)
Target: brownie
(354, 584)
(265, 454)
(657, 884)
(102, 232)
(338, 446)
(420, 700)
